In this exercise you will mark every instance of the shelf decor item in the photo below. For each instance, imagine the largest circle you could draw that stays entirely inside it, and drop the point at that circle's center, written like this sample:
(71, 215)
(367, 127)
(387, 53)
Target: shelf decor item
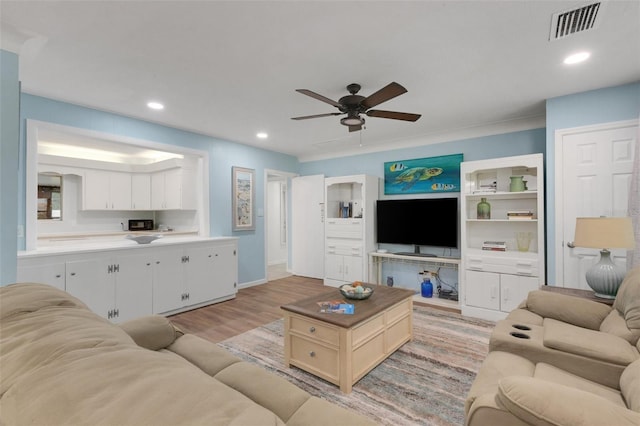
(604, 233)
(484, 209)
(517, 184)
(523, 240)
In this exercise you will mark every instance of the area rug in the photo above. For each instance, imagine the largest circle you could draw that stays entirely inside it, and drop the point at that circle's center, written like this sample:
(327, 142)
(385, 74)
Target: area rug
(425, 382)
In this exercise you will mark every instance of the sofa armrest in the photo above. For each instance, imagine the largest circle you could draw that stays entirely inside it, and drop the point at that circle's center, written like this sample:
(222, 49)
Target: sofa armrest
(152, 332)
(570, 309)
(539, 402)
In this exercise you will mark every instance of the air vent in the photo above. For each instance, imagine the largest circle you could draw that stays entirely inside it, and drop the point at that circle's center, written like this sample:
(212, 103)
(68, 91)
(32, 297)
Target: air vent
(574, 21)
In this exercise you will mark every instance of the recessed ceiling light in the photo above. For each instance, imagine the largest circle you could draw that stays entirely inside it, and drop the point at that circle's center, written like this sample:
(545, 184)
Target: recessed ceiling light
(262, 135)
(155, 105)
(577, 58)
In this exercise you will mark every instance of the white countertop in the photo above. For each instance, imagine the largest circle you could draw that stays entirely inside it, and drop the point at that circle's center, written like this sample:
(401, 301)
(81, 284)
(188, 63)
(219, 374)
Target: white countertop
(88, 244)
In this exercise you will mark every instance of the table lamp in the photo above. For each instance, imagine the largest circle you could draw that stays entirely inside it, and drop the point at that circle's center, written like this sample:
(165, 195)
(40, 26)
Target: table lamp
(604, 233)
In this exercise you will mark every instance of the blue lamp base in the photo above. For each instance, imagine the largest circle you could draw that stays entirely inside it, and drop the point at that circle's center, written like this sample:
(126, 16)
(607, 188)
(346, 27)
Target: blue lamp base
(605, 276)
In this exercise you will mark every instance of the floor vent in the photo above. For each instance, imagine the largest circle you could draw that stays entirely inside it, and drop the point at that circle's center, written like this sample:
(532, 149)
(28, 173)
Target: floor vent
(574, 21)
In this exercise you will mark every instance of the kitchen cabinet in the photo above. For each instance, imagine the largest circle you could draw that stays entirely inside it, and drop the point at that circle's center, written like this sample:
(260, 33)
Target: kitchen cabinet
(104, 190)
(115, 286)
(349, 227)
(174, 189)
(194, 275)
(140, 191)
(49, 271)
(494, 281)
(124, 283)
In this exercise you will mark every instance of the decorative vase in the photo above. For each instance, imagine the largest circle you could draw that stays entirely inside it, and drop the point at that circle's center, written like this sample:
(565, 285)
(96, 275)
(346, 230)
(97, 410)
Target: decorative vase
(517, 184)
(484, 209)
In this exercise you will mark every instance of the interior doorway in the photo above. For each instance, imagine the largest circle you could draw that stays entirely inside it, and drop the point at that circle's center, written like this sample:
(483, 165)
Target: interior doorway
(277, 231)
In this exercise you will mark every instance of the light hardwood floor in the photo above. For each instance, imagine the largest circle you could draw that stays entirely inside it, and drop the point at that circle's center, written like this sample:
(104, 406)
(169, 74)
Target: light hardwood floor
(252, 307)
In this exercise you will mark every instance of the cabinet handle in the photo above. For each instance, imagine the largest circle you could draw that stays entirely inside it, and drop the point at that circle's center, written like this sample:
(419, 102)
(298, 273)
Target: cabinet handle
(58, 276)
(148, 263)
(157, 262)
(312, 354)
(73, 274)
(312, 329)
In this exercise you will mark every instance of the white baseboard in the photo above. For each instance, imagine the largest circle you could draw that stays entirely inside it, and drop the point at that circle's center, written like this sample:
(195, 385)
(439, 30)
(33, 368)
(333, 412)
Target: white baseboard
(252, 283)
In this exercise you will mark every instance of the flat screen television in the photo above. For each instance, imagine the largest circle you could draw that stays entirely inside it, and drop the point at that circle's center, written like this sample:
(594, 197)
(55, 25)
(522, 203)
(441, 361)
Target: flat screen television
(420, 222)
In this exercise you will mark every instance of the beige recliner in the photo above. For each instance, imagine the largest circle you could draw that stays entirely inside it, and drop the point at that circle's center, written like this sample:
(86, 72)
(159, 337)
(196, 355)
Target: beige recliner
(583, 337)
(513, 391)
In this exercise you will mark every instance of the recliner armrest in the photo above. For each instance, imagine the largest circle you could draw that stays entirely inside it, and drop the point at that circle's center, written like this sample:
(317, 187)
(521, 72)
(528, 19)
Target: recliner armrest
(539, 402)
(573, 310)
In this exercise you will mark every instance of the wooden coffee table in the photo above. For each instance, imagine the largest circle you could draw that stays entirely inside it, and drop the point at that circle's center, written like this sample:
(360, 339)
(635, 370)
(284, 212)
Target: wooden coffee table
(343, 348)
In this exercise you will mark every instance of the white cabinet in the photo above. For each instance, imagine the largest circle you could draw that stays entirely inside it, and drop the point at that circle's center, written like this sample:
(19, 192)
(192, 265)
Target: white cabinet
(106, 190)
(174, 189)
(193, 276)
(493, 282)
(115, 286)
(349, 227)
(46, 271)
(497, 292)
(140, 191)
(121, 284)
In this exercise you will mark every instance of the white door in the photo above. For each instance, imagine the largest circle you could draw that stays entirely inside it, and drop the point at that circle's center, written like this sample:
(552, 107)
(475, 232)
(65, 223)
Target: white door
(307, 226)
(596, 178)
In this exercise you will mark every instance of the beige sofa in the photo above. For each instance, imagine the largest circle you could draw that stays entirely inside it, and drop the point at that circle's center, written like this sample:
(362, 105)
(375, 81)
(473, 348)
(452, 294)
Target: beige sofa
(562, 360)
(62, 364)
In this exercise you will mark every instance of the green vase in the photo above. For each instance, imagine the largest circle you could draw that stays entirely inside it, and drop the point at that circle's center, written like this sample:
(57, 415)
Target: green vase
(484, 209)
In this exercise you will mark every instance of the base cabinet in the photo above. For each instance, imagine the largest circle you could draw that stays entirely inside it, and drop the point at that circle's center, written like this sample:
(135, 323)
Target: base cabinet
(193, 276)
(117, 288)
(343, 269)
(49, 271)
(499, 292)
(122, 284)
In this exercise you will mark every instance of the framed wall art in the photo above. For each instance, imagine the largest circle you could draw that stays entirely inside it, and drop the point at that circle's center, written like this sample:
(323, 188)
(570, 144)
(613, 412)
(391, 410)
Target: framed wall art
(423, 175)
(243, 194)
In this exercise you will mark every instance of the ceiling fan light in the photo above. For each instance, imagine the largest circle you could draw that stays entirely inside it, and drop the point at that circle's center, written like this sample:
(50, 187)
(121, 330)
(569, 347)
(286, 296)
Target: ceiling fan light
(352, 120)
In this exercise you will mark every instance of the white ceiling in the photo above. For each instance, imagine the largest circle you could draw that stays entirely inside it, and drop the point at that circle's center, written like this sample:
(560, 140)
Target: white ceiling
(229, 69)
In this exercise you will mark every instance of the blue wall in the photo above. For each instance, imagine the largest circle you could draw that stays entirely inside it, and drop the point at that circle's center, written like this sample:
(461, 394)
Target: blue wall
(9, 139)
(222, 156)
(583, 109)
(504, 145)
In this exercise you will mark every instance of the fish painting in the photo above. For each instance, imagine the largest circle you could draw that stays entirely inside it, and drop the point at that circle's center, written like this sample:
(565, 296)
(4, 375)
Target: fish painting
(411, 176)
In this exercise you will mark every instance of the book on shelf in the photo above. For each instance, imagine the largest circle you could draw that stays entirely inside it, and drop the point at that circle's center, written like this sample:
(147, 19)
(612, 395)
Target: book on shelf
(519, 213)
(520, 217)
(494, 244)
(494, 248)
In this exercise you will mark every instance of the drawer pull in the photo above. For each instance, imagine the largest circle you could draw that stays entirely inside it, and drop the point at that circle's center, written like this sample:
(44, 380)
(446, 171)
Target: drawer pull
(312, 354)
(312, 329)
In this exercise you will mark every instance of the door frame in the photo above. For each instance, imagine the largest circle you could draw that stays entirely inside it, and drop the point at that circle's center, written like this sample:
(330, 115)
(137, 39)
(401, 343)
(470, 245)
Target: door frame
(559, 134)
(288, 176)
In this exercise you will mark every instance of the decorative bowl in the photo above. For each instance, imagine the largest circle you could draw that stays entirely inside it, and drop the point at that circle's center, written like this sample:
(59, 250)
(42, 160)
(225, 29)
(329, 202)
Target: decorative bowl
(143, 239)
(350, 292)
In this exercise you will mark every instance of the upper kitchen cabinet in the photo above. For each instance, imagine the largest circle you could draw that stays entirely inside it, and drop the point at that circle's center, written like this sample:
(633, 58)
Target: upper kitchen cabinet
(104, 190)
(140, 191)
(174, 189)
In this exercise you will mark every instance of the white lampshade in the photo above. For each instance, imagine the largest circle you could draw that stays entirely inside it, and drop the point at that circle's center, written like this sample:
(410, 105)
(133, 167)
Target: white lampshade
(604, 232)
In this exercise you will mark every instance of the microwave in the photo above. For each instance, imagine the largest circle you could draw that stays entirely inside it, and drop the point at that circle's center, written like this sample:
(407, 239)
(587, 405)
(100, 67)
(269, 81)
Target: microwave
(140, 225)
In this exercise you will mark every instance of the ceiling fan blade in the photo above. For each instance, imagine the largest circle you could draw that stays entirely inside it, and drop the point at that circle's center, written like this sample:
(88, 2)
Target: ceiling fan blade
(319, 97)
(355, 128)
(390, 91)
(316, 116)
(393, 115)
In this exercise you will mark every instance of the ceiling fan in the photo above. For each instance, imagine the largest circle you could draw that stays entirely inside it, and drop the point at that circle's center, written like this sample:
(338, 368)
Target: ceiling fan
(353, 105)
